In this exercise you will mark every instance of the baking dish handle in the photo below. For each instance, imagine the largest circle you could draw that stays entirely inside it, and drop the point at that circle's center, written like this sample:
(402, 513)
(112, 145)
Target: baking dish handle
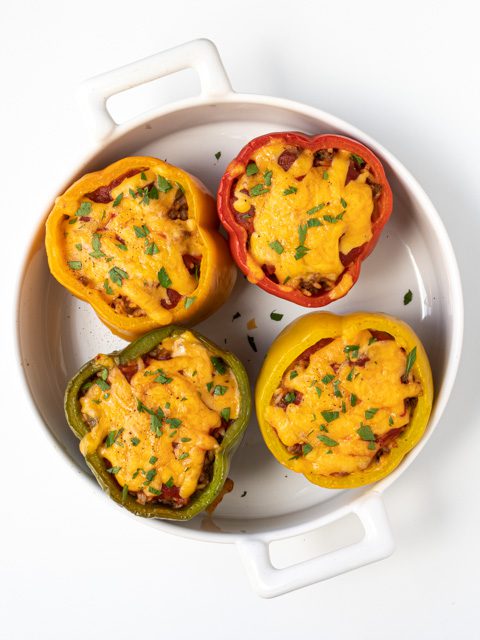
(376, 544)
(201, 55)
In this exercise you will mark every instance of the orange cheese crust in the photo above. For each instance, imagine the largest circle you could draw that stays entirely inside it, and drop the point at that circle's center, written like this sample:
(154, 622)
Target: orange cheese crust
(157, 420)
(343, 403)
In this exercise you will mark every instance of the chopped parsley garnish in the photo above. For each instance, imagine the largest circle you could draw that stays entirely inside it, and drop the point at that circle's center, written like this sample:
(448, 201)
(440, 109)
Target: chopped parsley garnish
(289, 397)
(327, 378)
(185, 439)
(163, 184)
(84, 209)
(150, 475)
(267, 176)
(290, 190)
(334, 219)
(121, 246)
(302, 233)
(258, 190)
(219, 390)
(314, 222)
(236, 315)
(162, 378)
(141, 232)
(390, 420)
(75, 265)
(209, 386)
(407, 298)
(412, 356)
(276, 316)
(143, 176)
(183, 456)
(189, 301)
(300, 252)
(306, 448)
(104, 386)
(78, 246)
(135, 441)
(353, 399)
(330, 416)
(351, 374)
(117, 275)
(112, 437)
(336, 391)
(218, 364)
(369, 413)
(352, 350)
(96, 246)
(315, 209)
(371, 340)
(173, 422)
(325, 175)
(327, 441)
(293, 374)
(155, 492)
(319, 391)
(164, 278)
(365, 432)
(276, 246)
(251, 342)
(343, 203)
(225, 414)
(117, 200)
(169, 483)
(357, 159)
(151, 248)
(252, 169)
(114, 470)
(153, 459)
(286, 280)
(218, 155)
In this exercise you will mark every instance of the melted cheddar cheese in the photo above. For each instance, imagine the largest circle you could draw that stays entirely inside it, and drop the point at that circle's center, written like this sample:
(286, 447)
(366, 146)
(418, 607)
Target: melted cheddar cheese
(303, 218)
(334, 408)
(155, 430)
(131, 249)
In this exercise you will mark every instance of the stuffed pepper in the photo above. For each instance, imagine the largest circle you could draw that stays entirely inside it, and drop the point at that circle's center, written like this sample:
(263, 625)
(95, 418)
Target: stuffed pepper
(139, 242)
(159, 421)
(303, 212)
(343, 399)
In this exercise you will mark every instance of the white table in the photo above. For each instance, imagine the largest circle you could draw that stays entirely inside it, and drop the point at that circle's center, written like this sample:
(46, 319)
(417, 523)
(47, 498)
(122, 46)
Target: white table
(408, 75)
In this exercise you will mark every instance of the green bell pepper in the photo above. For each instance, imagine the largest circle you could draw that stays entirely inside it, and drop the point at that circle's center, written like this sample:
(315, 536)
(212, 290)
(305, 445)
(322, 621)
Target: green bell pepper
(201, 498)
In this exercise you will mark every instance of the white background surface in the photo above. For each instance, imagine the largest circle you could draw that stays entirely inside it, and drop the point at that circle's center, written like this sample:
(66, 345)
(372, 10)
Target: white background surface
(408, 75)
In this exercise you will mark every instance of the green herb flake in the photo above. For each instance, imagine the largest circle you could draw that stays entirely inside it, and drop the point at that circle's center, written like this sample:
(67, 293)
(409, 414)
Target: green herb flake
(300, 252)
(351, 374)
(183, 456)
(327, 378)
(352, 350)
(330, 416)
(390, 420)
(189, 301)
(185, 439)
(369, 413)
(336, 391)
(251, 342)
(357, 159)
(162, 378)
(353, 399)
(306, 448)
(236, 315)
(319, 391)
(372, 446)
(293, 374)
(163, 184)
(289, 397)
(117, 200)
(267, 176)
(258, 190)
(325, 175)
(72, 220)
(75, 265)
(164, 278)
(173, 422)
(329, 442)
(143, 176)
(117, 275)
(225, 414)
(151, 249)
(315, 209)
(365, 432)
(141, 232)
(290, 190)
(121, 246)
(218, 364)
(209, 386)
(286, 280)
(155, 492)
(169, 483)
(314, 222)
(114, 470)
(150, 475)
(343, 203)
(407, 298)
(104, 386)
(276, 316)
(276, 246)
(135, 441)
(78, 246)
(252, 169)
(153, 193)
(219, 390)
(412, 356)
(302, 233)
(218, 155)
(96, 246)
(344, 407)
(84, 209)
(153, 459)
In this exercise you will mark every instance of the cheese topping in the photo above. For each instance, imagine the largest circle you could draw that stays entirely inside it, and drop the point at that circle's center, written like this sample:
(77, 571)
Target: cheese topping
(155, 430)
(132, 249)
(304, 217)
(339, 408)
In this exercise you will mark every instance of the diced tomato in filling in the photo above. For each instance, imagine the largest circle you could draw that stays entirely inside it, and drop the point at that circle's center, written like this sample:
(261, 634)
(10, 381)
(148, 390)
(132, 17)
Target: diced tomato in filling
(173, 299)
(103, 194)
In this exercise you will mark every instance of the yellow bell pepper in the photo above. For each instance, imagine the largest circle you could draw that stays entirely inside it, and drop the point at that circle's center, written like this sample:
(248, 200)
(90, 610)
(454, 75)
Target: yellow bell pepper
(342, 399)
(139, 241)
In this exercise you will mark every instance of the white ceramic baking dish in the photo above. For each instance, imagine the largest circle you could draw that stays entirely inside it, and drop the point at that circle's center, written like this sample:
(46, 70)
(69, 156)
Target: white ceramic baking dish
(57, 333)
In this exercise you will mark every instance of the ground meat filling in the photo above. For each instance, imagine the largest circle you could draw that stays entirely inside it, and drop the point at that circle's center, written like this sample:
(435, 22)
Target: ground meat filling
(243, 204)
(331, 402)
(179, 209)
(168, 494)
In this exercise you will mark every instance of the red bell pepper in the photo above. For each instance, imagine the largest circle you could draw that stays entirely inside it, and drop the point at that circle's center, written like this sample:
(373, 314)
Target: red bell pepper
(241, 226)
